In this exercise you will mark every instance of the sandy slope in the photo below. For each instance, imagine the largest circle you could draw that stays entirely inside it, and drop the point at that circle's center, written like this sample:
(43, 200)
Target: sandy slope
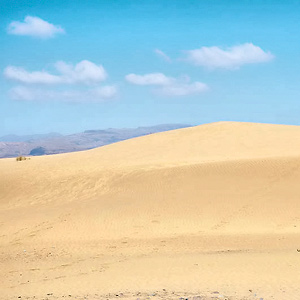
(213, 208)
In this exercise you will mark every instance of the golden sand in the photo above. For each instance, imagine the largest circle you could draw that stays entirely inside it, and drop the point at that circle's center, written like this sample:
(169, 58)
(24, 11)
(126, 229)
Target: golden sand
(212, 210)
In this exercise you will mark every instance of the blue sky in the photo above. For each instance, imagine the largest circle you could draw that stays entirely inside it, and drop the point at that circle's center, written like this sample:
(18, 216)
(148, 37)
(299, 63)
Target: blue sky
(67, 66)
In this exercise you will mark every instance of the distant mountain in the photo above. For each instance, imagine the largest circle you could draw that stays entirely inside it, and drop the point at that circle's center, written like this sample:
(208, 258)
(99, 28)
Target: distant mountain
(54, 143)
(26, 138)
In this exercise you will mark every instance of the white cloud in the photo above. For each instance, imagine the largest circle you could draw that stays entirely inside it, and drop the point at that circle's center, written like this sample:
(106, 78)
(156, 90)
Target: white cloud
(98, 94)
(104, 92)
(231, 58)
(21, 75)
(168, 86)
(183, 89)
(149, 79)
(34, 26)
(85, 72)
(163, 55)
(84, 79)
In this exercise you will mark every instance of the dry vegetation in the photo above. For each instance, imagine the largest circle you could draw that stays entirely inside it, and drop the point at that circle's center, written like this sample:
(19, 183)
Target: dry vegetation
(21, 158)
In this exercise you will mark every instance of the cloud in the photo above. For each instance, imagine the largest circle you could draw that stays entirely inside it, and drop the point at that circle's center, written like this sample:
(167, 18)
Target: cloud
(83, 78)
(231, 58)
(149, 79)
(34, 26)
(163, 55)
(99, 94)
(168, 86)
(183, 89)
(21, 75)
(104, 92)
(85, 72)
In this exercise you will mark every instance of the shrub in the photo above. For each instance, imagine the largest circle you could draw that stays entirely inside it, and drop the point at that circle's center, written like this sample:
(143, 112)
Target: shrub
(20, 158)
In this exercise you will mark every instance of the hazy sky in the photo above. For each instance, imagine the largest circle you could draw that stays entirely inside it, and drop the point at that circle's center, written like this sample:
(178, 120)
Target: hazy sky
(67, 66)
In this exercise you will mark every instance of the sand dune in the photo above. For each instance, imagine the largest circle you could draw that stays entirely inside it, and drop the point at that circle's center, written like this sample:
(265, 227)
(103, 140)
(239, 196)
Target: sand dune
(184, 213)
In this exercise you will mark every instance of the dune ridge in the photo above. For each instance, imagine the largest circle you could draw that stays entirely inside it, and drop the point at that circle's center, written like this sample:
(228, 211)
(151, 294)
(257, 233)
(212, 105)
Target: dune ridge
(194, 210)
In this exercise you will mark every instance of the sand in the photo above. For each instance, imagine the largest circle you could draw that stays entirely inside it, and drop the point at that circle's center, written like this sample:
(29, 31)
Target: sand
(208, 212)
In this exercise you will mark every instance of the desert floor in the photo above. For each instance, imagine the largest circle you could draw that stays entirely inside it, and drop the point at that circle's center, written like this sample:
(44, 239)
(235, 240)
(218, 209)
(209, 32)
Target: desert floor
(208, 212)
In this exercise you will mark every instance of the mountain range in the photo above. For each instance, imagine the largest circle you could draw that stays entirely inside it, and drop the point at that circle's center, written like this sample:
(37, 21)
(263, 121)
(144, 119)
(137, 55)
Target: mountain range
(54, 143)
